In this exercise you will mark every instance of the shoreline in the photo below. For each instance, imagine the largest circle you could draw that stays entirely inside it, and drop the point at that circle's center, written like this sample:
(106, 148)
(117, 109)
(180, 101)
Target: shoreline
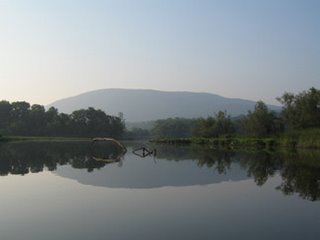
(246, 142)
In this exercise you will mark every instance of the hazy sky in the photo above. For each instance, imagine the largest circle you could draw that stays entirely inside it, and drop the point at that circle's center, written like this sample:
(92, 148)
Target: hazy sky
(253, 49)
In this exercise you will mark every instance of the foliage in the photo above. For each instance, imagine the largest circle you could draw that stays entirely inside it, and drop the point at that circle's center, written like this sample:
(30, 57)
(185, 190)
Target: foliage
(137, 133)
(173, 127)
(261, 122)
(216, 126)
(301, 110)
(219, 125)
(21, 118)
(302, 139)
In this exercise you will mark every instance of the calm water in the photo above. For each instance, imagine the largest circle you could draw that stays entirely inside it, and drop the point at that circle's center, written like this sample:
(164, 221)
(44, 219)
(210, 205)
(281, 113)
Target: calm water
(62, 190)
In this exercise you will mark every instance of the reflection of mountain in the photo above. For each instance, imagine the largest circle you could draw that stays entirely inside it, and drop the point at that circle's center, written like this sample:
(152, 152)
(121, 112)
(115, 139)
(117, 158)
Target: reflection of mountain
(174, 166)
(147, 173)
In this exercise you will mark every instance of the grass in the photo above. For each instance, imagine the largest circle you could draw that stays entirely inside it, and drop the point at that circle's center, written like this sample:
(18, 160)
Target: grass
(305, 139)
(38, 138)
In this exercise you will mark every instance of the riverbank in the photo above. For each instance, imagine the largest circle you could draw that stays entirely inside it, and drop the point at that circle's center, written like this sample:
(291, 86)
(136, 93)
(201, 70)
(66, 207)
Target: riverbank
(40, 138)
(306, 139)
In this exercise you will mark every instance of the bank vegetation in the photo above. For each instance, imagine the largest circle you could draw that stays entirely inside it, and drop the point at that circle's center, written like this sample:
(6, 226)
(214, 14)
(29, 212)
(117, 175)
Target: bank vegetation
(296, 126)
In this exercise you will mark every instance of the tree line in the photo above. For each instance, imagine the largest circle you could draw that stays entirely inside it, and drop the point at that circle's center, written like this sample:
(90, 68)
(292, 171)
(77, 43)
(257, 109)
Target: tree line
(22, 119)
(300, 111)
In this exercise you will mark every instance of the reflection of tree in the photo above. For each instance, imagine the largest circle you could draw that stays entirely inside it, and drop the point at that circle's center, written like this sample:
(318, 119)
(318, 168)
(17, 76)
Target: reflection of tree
(301, 174)
(260, 165)
(85, 162)
(25, 157)
(219, 160)
(176, 153)
(300, 171)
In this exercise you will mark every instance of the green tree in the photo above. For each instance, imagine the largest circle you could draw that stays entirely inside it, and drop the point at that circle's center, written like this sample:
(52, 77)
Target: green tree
(64, 125)
(224, 125)
(36, 120)
(205, 128)
(93, 123)
(173, 127)
(261, 122)
(301, 110)
(20, 111)
(137, 133)
(52, 122)
(19, 118)
(216, 126)
(5, 110)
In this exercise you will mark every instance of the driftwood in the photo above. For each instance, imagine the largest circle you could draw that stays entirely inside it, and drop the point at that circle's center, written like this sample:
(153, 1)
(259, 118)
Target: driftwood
(124, 149)
(144, 151)
(108, 160)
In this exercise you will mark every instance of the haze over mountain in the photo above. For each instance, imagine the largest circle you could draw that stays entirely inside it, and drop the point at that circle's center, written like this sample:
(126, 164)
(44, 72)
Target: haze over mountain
(147, 105)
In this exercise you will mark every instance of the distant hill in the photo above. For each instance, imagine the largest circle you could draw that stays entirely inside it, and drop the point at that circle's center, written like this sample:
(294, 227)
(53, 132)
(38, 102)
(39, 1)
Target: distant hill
(147, 105)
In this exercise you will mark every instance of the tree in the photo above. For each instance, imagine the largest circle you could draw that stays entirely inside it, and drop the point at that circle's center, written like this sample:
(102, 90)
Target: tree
(5, 109)
(224, 124)
(52, 122)
(173, 127)
(36, 120)
(216, 126)
(94, 123)
(18, 118)
(261, 122)
(205, 128)
(64, 125)
(137, 133)
(301, 110)
(19, 111)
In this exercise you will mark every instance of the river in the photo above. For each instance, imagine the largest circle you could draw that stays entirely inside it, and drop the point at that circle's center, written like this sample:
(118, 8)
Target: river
(73, 190)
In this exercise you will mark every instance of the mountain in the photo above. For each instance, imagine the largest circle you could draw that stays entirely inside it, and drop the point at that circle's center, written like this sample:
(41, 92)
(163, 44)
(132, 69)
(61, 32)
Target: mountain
(147, 105)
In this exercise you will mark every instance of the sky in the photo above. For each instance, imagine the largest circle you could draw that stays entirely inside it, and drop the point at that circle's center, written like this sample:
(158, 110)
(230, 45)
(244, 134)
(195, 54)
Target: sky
(251, 49)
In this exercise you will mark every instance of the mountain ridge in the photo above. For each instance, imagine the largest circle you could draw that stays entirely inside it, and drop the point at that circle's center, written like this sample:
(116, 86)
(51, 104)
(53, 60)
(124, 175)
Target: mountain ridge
(148, 104)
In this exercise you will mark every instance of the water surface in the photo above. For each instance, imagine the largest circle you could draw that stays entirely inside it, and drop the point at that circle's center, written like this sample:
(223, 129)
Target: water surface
(62, 190)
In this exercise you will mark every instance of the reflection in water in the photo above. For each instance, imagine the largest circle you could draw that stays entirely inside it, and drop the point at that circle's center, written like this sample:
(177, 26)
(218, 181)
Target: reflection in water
(144, 151)
(26, 157)
(300, 171)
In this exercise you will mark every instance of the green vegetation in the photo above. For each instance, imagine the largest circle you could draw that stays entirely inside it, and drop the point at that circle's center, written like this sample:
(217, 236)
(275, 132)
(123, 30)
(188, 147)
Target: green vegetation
(302, 110)
(261, 122)
(297, 139)
(22, 119)
(297, 126)
(216, 126)
(137, 133)
(44, 138)
(174, 127)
